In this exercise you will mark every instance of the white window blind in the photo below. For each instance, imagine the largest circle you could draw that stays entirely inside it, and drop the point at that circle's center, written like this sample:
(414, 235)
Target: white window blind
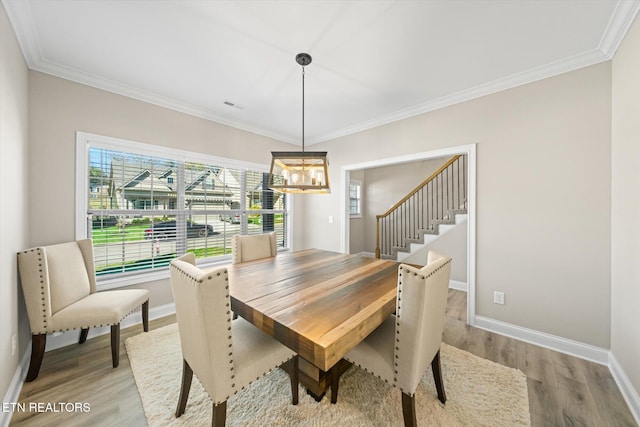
(146, 205)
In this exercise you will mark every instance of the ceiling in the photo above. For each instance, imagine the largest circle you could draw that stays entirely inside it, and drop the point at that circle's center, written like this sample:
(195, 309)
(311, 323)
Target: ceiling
(374, 62)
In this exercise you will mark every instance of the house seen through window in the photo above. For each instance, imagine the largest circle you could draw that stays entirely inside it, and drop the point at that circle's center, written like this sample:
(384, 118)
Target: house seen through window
(148, 208)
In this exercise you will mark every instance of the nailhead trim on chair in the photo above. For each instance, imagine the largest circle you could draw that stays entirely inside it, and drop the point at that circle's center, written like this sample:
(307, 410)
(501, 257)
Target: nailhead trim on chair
(395, 379)
(45, 329)
(229, 338)
(93, 326)
(397, 348)
(44, 305)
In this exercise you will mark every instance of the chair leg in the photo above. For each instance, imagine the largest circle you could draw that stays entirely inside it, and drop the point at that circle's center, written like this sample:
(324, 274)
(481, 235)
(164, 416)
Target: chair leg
(437, 376)
(294, 379)
(335, 379)
(83, 335)
(219, 414)
(187, 376)
(145, 315)
(115, 344)
(409, 410)
(38, 343)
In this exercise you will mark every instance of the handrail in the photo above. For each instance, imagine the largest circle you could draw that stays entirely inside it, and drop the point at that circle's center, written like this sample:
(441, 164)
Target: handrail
(412, 215)
(422, 184)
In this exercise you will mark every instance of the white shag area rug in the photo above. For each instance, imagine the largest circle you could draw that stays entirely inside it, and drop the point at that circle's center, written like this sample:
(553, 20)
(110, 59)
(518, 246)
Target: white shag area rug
(479, 393)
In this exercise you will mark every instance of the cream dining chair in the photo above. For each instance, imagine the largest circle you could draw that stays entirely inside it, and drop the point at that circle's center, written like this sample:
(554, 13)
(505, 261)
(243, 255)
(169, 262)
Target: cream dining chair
(226, 355)
(250, 247)
(59, 286)
(400, 350)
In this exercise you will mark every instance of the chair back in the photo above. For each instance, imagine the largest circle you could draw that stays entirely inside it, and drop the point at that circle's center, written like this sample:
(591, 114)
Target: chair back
(54, 277)
(203, 311)
(420, 316)
(248, 248)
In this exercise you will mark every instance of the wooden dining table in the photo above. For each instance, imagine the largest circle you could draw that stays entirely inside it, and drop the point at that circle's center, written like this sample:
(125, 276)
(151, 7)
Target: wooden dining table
(319, 303)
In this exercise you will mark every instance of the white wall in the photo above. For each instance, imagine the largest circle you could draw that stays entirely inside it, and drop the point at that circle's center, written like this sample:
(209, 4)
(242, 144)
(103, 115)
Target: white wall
(13, 194)
(625, 209)
(452, 243)
(543, 197)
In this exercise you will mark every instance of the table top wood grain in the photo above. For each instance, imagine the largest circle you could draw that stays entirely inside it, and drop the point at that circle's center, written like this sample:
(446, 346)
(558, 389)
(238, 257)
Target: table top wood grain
(320, 304)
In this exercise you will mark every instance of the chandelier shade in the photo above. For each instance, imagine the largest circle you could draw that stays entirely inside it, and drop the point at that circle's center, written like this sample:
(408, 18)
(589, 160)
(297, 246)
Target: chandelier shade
(300, 171)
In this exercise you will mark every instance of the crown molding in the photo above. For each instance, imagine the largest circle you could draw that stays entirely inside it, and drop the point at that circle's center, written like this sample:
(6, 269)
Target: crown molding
(539, 73)
(620, 22)
(98, 82)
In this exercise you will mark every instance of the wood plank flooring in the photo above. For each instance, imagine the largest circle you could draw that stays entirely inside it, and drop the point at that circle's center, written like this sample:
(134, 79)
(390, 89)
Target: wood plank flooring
(563, 390)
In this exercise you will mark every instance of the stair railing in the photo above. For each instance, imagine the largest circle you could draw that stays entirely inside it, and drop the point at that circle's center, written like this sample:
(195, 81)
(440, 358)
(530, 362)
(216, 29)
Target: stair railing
(434, 201)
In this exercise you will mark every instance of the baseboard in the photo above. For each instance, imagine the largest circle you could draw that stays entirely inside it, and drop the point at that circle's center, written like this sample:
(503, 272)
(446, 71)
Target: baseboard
(67, 338)
(63, 339)
(458, 286)
(629, 393)
(15, 387)
(574, 348)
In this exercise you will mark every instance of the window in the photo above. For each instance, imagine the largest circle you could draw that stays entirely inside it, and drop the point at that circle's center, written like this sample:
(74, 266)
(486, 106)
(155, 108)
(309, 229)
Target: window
(154, 204)
(355, 199)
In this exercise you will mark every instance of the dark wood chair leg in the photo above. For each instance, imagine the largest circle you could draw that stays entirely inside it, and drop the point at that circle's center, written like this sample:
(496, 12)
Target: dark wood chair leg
(437, 376)
(83, 335)
(335, 379)
(115, 344)
(219, 414)
(293, 375)
(145, 315)
(187, 376)
(38, 343)
(409, 410)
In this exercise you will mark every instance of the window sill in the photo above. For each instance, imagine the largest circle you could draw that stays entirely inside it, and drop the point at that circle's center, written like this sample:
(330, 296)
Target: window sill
(107, 283)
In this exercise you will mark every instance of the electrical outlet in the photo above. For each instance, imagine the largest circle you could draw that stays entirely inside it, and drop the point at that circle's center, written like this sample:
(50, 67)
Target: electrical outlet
(14, 344)
(498, 297)
(330, 219)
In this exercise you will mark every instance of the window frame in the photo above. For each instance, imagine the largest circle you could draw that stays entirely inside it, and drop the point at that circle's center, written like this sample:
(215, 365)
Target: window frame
(357, 183)
(84, 141)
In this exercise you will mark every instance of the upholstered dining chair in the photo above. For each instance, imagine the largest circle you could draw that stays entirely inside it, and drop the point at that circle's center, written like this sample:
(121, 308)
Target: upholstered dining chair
(400, 350)
(226, 355)
(59, 286)
(250, 247)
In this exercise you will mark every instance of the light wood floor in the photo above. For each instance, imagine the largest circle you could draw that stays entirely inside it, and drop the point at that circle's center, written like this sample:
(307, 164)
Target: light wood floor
(563, 390)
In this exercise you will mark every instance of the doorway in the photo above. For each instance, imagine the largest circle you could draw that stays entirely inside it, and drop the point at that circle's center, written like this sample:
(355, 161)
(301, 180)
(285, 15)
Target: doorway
(470, 151)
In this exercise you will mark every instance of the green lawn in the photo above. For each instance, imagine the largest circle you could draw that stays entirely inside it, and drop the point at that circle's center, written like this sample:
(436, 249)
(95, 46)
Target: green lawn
(103, 236)
(209, 252)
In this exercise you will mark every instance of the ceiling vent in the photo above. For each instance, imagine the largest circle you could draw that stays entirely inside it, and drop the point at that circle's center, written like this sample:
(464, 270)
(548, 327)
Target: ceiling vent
(234, 105)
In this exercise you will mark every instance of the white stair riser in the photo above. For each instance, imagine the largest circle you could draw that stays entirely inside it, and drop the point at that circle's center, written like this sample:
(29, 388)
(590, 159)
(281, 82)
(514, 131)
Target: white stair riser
(430, 238)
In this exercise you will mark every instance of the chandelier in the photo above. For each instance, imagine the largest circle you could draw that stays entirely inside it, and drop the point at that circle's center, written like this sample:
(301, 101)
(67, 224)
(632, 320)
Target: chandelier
(300, 171)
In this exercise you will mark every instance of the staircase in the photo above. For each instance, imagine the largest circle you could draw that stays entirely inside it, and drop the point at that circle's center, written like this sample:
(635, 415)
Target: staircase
(434, 206)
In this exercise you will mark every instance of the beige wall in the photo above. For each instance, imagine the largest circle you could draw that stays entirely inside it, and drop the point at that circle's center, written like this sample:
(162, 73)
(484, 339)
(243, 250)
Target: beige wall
(13, 191)
(357, 225)
(387, 185)
(59, 108)
(625, 207)
(543, 197)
